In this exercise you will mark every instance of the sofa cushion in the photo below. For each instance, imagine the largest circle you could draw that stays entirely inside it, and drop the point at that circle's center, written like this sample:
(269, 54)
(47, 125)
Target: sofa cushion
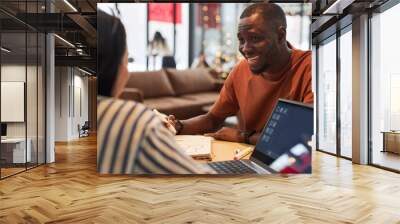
(167, 103)
(191, 80)
(151, 83)
(203, 98)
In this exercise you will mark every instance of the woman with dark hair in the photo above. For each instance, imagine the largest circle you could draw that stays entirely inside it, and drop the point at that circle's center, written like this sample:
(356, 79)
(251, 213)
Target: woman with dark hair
(159, 47)
(131, 139)
(112, 55)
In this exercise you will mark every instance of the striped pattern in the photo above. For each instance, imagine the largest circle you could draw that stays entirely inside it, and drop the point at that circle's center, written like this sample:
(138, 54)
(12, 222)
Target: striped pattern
(133, 140)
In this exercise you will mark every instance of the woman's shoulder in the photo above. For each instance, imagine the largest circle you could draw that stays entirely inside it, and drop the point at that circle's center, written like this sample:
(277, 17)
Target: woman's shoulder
(127, 109)
(107, 103)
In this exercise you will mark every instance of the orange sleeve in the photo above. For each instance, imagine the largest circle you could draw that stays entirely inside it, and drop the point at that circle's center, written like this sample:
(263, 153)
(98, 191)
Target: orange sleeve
(308, 96)
(227, 104)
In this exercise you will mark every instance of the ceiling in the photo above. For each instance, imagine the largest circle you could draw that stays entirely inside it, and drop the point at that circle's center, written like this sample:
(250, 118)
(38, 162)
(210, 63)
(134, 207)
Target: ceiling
(329, 16)
(74, 22)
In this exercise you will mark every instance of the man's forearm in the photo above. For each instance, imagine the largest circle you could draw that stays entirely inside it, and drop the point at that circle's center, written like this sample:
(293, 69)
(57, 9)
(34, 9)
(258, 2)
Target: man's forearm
(201, 124)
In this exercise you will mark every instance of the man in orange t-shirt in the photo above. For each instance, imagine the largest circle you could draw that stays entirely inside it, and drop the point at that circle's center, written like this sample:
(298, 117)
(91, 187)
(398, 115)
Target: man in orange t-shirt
(272, 69)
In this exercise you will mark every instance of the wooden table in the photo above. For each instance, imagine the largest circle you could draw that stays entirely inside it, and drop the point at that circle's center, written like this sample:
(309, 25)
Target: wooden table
(223, 150)
(15, 152)
(391, 141)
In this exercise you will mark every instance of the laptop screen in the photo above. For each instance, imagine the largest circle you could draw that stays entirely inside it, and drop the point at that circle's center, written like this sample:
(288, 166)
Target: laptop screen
(291, 123)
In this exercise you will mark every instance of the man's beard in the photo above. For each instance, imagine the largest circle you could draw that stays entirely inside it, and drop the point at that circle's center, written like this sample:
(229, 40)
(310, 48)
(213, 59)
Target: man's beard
(259, 71)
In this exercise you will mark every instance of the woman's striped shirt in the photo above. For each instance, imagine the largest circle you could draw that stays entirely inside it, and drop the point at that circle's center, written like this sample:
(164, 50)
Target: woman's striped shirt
(131, 139)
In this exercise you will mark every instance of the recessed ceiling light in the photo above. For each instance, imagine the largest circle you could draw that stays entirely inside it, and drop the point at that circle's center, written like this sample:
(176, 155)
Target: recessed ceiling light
(86, 72)
(65, 41)
(337, 7)
(5, 50)
(70, 5)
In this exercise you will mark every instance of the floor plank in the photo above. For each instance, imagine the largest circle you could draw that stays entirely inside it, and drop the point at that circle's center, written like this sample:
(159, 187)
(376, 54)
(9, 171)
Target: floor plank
(386, 159)
(70, 191)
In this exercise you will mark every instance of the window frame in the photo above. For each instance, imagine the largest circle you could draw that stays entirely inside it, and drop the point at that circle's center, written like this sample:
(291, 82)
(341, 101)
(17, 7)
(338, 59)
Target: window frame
(347, 27)
(378, 10)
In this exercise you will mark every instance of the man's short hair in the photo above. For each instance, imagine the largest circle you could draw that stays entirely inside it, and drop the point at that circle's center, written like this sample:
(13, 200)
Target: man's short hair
(271, 13)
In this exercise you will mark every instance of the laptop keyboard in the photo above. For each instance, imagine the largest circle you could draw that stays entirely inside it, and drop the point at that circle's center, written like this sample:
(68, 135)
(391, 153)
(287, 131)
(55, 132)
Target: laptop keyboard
(231, 167)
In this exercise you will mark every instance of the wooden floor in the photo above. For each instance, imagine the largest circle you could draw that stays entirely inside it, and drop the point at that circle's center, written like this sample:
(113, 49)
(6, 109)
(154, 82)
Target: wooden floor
(10, 171)
(387, 159)
(5, 172)
(70, 191)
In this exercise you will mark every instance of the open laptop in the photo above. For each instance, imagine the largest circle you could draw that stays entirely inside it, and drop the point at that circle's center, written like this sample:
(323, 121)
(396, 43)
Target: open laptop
(284, 138)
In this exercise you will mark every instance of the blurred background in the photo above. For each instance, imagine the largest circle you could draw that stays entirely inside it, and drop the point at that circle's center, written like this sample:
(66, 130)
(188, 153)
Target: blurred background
(195, 32)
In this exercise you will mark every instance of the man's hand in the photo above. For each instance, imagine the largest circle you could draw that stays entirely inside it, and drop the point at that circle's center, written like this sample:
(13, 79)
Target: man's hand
(227, 134)
(196, 125)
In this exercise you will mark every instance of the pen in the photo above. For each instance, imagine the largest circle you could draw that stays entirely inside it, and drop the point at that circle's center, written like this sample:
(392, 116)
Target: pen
(243, 153)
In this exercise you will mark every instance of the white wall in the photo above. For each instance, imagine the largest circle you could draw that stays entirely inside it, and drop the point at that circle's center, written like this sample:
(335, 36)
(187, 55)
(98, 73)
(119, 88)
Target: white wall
(81, 104)
(61, 103)
(12, 73)
(71, 94)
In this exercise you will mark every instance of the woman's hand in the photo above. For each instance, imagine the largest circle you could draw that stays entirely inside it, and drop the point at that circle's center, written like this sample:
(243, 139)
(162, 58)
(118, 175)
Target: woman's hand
(168, 121)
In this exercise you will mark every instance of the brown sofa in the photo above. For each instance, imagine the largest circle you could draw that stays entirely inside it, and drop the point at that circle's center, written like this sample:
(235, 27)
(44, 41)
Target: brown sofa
(183, 93)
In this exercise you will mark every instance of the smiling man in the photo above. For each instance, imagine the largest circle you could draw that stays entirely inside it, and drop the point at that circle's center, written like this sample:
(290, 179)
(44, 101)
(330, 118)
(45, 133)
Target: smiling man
(271, 69)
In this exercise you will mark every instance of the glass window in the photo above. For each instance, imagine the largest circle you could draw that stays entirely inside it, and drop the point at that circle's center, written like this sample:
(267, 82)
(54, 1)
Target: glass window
(14, 146)
(327, 96)
(22, 92)
(298, 18)
(182, 37)
(160, 19)
(385, 89)
(209, 35)
(346, 94)
(214, 31)
(163, 23)
(134, 17)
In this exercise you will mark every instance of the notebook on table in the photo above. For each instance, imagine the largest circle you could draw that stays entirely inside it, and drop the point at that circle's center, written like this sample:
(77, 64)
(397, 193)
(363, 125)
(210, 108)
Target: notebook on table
(196, 146)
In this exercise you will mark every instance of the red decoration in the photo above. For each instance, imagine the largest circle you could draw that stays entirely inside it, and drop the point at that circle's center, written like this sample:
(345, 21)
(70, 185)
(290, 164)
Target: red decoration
(164, 12)
(209, 15)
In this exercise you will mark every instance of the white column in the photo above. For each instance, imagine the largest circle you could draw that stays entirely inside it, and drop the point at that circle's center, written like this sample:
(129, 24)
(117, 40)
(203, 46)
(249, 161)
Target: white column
(50, 100)
(360, 90)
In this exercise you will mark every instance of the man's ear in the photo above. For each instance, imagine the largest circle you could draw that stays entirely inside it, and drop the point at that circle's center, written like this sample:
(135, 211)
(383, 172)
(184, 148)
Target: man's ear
(281, 33)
